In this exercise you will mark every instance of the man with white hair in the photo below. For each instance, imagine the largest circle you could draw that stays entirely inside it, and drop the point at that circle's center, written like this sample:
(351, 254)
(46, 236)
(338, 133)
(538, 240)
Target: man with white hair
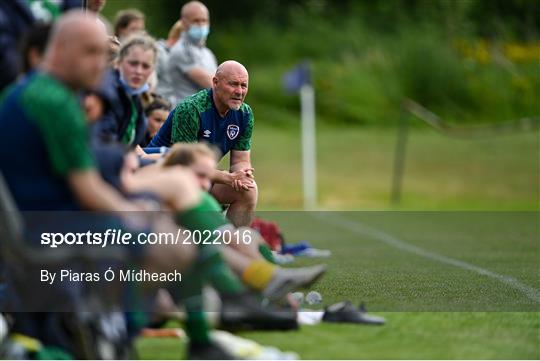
(220, 117)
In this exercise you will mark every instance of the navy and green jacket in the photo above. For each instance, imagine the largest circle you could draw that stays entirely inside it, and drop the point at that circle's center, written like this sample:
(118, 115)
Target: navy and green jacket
(196, 119)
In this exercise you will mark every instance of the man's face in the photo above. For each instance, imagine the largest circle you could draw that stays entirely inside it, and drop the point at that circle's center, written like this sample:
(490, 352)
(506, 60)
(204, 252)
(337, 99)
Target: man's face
(86, 59)
(203, 167)
(231, 89)
(196, 16)
(137, 66)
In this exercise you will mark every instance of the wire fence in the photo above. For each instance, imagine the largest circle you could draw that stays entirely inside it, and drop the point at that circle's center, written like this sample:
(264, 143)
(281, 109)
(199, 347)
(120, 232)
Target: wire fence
(410, 107)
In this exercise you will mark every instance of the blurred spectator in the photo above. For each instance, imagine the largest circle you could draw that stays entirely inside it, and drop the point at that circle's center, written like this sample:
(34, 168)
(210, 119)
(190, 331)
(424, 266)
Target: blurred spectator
(33, 46)
(156, 112)
(191, 64)
(174, 33)
(15, 19)
(95, 5)
(164, 47)
(114, 49)
(128, 22)
(124, 120)
(93, 106)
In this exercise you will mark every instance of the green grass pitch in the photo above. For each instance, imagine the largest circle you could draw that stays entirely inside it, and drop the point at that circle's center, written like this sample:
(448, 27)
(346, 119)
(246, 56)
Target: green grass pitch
(412, 269)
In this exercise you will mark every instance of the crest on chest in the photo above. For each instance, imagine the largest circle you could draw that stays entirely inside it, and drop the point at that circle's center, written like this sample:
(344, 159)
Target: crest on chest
(233, 131)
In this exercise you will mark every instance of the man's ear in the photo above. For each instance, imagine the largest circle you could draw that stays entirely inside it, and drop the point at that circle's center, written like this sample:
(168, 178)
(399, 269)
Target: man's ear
(214, 81)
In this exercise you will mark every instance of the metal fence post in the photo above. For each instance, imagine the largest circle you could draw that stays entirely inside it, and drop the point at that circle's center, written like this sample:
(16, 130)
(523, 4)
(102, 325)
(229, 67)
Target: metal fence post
(400, 156)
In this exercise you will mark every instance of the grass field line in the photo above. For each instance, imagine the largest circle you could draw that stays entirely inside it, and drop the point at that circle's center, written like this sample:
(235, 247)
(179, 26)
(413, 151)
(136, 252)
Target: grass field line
(365, 230)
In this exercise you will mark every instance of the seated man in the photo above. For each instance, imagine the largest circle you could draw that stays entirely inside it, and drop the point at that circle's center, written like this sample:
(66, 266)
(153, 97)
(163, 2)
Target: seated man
(220, 117)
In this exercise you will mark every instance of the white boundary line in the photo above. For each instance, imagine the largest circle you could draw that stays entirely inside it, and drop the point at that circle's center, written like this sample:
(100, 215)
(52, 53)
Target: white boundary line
(365, 230)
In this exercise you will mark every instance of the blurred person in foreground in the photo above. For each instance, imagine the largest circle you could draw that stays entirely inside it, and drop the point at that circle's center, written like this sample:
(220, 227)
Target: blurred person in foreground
(164, 85)
(220, 117)
(191, 64)
(42, 119)
(49, 115)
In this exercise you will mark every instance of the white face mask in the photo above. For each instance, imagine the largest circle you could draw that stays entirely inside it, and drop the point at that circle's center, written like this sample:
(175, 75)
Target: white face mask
(198, 33)
(132, 91)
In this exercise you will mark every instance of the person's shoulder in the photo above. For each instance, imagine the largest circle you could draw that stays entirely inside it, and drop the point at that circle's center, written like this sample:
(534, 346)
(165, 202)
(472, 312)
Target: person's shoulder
(207, 50)
(246, 114)
(161, 44)
(50, 102)
(108, 89)
(162, 49)
(111, 77)
(198, 102)
(246, 109)
(11, 92)
(45, 91)
(179, 47)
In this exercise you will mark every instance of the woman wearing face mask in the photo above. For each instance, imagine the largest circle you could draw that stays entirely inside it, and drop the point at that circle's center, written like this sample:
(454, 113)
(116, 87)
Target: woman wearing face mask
(124, 120)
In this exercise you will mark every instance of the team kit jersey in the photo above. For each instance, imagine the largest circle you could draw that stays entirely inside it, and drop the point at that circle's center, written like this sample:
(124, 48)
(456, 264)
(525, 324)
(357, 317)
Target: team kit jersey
(43, 137)
(197, 119)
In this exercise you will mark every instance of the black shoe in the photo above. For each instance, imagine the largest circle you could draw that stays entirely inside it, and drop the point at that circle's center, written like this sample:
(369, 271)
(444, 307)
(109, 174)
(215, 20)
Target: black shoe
(345, 312)
(248, 311)
(210, 351)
